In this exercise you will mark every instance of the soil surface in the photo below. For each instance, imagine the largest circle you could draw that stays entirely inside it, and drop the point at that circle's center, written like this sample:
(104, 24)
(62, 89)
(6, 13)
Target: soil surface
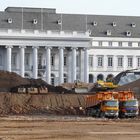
(67, 128)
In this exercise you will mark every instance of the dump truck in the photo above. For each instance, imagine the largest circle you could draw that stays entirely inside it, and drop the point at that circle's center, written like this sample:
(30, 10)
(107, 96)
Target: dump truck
(102, 104)
(128, 104)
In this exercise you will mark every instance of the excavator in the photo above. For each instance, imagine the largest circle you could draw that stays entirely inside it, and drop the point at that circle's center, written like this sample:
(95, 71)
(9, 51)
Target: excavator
(122, 78)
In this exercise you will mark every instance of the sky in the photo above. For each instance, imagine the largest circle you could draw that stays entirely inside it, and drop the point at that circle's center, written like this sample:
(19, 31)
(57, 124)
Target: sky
(97, 7)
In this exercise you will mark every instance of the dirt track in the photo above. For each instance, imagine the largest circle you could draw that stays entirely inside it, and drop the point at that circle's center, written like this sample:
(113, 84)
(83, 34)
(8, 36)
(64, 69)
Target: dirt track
(67, 128)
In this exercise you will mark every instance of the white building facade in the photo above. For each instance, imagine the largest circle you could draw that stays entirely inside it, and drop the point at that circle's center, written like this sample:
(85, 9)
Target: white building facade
(39, 43)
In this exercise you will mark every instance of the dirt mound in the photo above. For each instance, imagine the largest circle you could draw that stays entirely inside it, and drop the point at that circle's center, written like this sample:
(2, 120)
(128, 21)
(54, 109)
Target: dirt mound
(70, 86)
(11, 79)
(133, 86)
(41, 104)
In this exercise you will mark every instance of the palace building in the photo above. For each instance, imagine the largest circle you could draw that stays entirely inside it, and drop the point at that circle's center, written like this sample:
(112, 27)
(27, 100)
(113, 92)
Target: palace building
(58, 47)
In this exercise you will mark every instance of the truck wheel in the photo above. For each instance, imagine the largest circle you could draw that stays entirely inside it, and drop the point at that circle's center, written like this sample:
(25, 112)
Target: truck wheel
(102, 114)
(88, 112)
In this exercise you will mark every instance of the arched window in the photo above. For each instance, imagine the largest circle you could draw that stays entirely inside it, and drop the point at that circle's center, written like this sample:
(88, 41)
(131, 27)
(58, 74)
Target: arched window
(100, 77)
(109, 77)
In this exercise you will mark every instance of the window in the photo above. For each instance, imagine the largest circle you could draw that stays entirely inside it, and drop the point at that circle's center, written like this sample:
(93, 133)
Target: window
(100, 61)
(91, 60)
(120, 44)
(130, 62)
(40, 59)
(129, 44)
(139, 44)
(52, 79)
(138, 61)
(110, 61)
(27, 58)
(65, 61)
(110, 43)
(108, 32)
(100, 43)
(14, 59)
(114, 24)
(52, 60)
(0, 59)
(128, 33)
(34, 21)
(133, 25)
(77, 61)
(65, 78)
(9, 20)
(120, 61)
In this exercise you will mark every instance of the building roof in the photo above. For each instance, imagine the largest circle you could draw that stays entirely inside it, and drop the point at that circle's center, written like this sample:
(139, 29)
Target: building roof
(48, 19)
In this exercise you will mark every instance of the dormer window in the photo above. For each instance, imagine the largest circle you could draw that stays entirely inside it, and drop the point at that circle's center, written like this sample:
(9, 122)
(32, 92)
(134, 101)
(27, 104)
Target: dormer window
(34, 21)
(94, 23)
(9, 20)
(108, 32)
(133, 25)
(59, 22)
(114, 24)
(128, 33)
(89, 32)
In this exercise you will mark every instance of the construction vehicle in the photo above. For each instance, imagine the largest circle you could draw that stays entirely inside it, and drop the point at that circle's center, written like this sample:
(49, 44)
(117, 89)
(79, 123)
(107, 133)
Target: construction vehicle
(128, 104)
(127, 76)
(79, 87)
(101, 85)
(102, 104)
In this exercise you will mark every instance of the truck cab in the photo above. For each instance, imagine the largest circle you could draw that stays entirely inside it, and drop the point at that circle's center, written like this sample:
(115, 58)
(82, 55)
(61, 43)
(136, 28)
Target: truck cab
(129, 108)
(109, 108)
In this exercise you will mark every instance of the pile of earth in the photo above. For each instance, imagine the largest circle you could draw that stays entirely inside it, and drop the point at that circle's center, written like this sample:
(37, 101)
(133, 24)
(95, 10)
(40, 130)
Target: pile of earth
(9, 81)
(14, 103)
(22, 103)
(133, 86)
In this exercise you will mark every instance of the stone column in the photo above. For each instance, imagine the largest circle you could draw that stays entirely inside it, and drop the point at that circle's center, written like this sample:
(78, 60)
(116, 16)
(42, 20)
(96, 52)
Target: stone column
(61, 65)
(9, 57)
(95, 64)
(81, 55)
(69, 66)
(48, 65)
(73, 71)
(86, 66)
(35, 62)
(105, 63)
(125, 63)
(134, 62)
(115, 62)
(22, 58)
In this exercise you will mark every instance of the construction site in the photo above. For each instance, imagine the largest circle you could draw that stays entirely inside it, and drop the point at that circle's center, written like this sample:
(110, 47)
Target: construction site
(37, 110)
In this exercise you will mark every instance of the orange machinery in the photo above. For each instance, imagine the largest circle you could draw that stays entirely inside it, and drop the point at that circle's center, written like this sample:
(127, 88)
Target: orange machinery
(102, 104)
(128, 104)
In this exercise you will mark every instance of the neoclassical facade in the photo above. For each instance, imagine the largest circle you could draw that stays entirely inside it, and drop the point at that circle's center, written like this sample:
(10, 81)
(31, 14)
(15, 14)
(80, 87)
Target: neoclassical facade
(40, 43)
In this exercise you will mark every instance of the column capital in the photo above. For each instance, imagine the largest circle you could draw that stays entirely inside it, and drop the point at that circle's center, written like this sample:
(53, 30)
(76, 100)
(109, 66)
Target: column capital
(10, 46)
(22, 47)
(74, 48)
(35, 47)
(61, 47)
(48, 47)
(85, 48)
